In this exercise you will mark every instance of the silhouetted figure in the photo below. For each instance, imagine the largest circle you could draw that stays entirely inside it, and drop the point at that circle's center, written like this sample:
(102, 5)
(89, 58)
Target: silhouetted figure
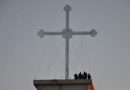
(80, 76)
(76, 76)
(85, 75)
(89, 76)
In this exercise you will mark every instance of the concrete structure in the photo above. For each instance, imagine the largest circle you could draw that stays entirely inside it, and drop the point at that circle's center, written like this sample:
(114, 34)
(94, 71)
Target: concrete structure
(61, 84)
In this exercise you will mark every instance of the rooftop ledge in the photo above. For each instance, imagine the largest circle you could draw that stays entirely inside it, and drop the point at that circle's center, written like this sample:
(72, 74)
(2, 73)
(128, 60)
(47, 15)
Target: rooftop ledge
(61, 82)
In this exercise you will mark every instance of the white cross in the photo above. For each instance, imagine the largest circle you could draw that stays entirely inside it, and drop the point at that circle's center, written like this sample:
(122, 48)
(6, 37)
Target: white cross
(67, 33)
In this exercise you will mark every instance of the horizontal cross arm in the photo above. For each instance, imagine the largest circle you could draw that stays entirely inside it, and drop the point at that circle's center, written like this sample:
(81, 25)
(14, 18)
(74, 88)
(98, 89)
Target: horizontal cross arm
(41, 33)
(80, 33)
(92, 33)
(53, 33)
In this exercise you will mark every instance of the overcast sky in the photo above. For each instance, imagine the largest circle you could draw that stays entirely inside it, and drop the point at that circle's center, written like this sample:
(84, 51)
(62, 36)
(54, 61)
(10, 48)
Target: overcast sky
(24, 56)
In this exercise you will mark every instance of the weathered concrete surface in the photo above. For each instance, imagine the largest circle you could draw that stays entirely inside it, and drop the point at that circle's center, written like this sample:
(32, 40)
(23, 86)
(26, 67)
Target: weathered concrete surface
(61, 84)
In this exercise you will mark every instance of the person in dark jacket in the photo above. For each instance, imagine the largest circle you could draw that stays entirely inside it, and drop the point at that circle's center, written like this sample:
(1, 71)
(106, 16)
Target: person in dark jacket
(80, 76)
(84, 75)
(76, 76)
(89, 76)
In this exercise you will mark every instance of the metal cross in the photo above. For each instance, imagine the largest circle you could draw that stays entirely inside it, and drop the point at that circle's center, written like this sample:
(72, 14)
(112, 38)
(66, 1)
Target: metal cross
(67, 33)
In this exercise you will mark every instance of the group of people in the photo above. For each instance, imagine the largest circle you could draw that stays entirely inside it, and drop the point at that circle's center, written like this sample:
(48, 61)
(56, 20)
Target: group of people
(82, 76)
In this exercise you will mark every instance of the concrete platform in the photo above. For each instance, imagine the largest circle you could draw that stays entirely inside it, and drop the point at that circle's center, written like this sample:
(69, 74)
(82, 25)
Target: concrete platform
(57, 84)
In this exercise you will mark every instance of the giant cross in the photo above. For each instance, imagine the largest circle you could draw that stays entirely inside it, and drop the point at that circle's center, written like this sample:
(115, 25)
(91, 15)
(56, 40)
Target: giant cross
(67, 33)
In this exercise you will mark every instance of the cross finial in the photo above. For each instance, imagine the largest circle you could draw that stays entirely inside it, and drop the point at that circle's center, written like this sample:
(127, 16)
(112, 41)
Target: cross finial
(67, 8)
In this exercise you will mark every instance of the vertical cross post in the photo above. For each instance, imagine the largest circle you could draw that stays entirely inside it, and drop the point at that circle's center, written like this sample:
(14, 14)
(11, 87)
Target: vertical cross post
(67, 33)
(67, 8)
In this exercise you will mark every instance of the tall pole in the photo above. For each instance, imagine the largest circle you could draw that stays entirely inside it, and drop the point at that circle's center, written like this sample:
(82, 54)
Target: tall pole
(67, 8)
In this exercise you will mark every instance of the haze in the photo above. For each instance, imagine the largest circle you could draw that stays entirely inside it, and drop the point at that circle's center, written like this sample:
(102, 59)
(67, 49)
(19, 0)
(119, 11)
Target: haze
(24, 56)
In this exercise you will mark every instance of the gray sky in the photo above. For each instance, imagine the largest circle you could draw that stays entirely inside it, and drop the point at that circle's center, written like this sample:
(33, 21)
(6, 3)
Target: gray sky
(24, 56)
